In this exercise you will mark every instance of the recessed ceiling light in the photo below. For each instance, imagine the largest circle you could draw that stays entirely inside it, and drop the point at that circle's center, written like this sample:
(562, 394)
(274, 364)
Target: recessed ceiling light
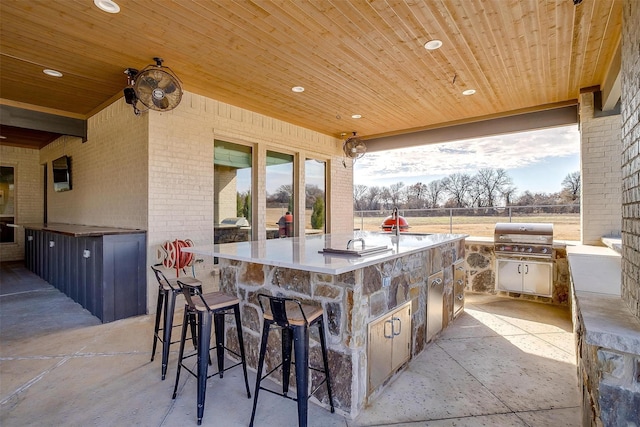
(52, 73)
(469, 92)
(433, 45)
(297, 89)
(356, 116)
(108, 6)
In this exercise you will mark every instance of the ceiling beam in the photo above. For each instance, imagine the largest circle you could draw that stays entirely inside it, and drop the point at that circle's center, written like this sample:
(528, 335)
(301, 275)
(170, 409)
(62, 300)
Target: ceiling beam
(517, 123)
(612, 86)
(36, 120)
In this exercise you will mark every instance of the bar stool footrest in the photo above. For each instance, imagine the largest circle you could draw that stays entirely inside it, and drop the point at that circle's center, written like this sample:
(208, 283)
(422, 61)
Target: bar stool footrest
(324, 380)
(195, 374)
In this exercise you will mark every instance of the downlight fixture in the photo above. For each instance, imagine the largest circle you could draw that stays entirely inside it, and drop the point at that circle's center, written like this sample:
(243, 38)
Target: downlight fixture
(433, 44)
(108, 6)
(52, 73)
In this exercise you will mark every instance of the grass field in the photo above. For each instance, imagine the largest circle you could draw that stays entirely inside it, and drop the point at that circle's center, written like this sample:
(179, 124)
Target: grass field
(565, 226)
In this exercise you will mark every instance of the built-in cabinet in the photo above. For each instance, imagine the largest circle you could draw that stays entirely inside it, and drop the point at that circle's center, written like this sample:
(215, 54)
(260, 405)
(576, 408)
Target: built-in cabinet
(435, 304)
(524, 276)
(389, 344)
(106, 274)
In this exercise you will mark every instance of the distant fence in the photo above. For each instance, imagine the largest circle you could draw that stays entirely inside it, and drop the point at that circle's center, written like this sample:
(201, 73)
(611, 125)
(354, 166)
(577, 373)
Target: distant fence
(477, 221)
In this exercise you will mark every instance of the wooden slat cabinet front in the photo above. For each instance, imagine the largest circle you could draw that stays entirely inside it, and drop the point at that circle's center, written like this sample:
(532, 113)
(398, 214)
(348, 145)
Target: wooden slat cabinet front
(105, 274)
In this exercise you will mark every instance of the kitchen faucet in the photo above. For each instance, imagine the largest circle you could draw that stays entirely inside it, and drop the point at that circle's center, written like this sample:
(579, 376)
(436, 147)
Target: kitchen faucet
(351, 242)
(395, 216)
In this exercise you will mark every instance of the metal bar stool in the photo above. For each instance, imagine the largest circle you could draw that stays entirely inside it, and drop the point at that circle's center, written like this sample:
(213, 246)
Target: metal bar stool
(294, 320)
(211, 305)
(167, 291)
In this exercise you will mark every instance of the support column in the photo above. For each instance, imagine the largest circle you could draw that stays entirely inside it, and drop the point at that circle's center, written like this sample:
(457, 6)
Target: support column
(600, 167)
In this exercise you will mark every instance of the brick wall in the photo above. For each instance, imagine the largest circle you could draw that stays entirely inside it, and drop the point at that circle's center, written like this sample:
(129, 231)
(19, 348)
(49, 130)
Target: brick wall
(631, 155)
(600, 168)
(108, 172)
(28, 193)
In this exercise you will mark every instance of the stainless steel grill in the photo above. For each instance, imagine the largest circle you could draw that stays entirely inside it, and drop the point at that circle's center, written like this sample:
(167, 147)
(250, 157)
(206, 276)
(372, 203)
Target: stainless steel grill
(524, 239)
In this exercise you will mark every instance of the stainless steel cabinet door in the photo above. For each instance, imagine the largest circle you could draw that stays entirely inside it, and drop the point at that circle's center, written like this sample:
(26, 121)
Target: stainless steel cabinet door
(401, 322)
(389, 345)
(530, 277)
(536, 277)
(380, 336)
(459, 282)
(435, 303)
(509, 275)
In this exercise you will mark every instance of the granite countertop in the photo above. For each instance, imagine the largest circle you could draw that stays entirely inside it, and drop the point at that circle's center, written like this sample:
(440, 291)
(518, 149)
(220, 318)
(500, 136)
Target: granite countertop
(302, 253)
(80, 230)
(596, 277)
(595, 269)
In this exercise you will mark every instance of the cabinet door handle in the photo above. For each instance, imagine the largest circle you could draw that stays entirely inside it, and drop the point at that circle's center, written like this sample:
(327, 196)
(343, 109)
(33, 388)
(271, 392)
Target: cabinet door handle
(385, 328)
(393, 329)
(526, 269)
(460, 297)
(519, 265)
(436, 281)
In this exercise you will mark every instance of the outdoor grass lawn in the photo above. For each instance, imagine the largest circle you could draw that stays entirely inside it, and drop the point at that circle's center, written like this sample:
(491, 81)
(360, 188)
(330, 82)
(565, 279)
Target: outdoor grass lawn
(565, 226)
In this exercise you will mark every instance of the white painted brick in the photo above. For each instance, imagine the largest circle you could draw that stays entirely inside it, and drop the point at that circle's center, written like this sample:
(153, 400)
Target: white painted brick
(601, 174)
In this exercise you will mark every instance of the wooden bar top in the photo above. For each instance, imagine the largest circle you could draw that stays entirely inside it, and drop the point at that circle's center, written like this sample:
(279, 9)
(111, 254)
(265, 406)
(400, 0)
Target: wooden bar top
(77, 230)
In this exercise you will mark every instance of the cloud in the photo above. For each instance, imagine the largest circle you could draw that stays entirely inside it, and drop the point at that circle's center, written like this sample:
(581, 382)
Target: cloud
(510, 152)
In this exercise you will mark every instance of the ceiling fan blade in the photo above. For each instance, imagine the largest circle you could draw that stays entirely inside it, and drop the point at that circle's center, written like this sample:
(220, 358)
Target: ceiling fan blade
(162, 103)
(170, 87)
(148, 80)
(174, 98)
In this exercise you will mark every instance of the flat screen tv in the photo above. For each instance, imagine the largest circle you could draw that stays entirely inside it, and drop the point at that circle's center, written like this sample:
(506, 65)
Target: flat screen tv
(62, 173)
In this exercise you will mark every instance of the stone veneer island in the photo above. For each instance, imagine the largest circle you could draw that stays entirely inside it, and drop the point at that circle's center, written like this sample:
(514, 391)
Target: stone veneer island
(354, 291)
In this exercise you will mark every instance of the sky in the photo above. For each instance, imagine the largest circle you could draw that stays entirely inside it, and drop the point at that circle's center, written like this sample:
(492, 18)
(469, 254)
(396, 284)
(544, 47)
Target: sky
(536, 161)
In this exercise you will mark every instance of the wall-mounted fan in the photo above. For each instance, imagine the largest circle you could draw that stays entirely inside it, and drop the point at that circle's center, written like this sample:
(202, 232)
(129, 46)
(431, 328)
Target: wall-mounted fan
(354, 147)
(156, 87)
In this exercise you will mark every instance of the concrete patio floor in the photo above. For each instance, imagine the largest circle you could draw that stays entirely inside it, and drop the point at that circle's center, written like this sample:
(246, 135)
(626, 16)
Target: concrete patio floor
(502, 363)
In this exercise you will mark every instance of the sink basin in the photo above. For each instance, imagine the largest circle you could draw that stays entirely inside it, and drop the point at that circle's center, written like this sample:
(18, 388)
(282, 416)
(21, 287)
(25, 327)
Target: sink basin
(373, 250)
(404, 233)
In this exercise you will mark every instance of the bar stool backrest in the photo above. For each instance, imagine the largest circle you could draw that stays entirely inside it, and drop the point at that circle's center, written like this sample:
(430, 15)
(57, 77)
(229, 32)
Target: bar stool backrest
(161, 278)
(278, 308)
(189, 292)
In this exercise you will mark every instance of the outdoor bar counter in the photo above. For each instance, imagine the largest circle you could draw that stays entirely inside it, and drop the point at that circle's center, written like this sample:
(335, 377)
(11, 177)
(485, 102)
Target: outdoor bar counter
(101, 268)
(373, 298)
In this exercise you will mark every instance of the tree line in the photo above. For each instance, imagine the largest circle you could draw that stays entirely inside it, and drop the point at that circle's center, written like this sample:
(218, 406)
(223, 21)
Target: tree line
(487, 188)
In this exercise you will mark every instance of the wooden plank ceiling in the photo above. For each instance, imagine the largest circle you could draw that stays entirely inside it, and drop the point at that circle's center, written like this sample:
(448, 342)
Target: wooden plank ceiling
(351, 56)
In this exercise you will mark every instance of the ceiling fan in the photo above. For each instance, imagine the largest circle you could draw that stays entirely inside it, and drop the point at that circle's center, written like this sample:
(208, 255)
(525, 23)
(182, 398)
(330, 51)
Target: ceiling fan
(353, 147)
(156, 87)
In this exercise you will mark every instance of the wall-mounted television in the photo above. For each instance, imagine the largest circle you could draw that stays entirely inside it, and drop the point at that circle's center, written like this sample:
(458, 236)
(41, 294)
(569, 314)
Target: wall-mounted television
(62, 173)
